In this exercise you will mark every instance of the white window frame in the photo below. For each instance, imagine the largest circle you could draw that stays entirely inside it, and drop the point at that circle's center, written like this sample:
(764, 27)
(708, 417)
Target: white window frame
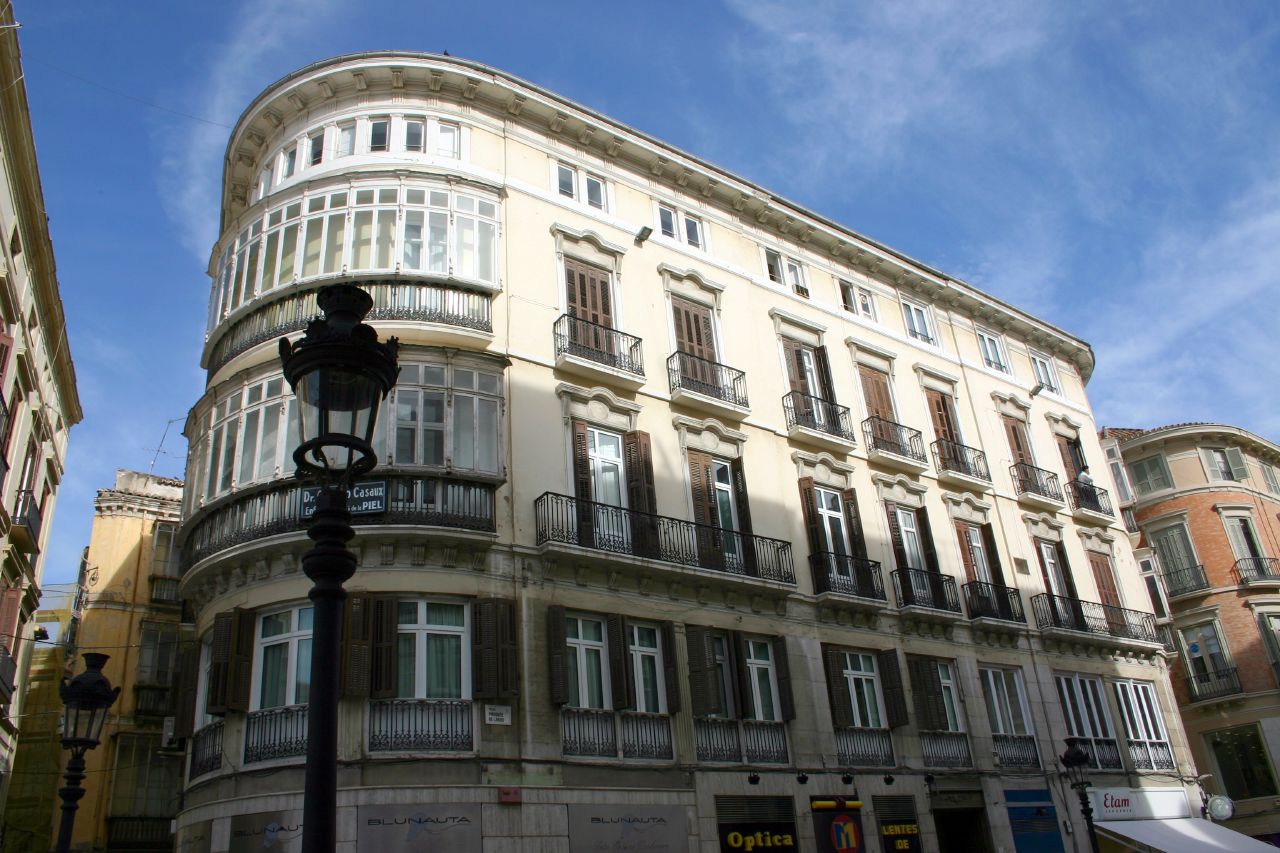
(1084, 706)
(682, 222)
(637, 654)
(314, 137)
(1044, 371)
(579, 647)
(1270, 477)
(1141, 475)
(1115, 461)
(786, 271)
(580, 183)
(952, 698)
(1149, 570)
(1224, 464)
(370, 123)
(292, 639)
(454, 397)
(1198, 638)
(1141, 712)
(1230, 518)
(755, 665)
(996, 689)
(918, 323)
(823, 497)
(978, 552)
(994, 354)
(344, 141)
(720, 651)
(862, 681)
(289, 165)
(420, 630)
(913, 546)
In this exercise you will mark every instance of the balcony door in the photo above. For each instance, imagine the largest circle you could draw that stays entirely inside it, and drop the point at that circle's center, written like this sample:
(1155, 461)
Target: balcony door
(879, 399)
(719, 491)
(1019, 442)
(1104, 579)
(1206, 660)
(1173, 547)
(692, 324)
(973, 553)
(1057, 581)
(604, 455)
(589, 301)
(1072, 456)
(942, 411)
(808, 373)
(1244, 541)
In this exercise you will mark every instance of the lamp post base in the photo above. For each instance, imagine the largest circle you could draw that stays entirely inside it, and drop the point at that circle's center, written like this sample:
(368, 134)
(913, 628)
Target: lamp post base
(71, 794)
(1086, 808)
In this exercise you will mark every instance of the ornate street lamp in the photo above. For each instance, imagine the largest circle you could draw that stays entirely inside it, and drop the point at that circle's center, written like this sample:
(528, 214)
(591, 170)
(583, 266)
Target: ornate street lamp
(1076, 763)
(85, 699)
(340, 374)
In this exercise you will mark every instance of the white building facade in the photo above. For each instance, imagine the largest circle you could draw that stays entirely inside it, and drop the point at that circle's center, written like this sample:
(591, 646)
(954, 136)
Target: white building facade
(695, 507)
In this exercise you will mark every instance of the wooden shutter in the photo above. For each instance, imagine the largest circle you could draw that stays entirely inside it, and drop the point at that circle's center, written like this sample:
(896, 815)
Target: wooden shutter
(926, 693)
(508, 649)
(895, 536)
(823, 366)
(582, 484)
(993, 555)
(622, 680)
(670, 670)
(1066, 571)
(812, 521)
(220, 663)
(796, 376)
(1105, 578)
(966, 552)
(1270, 640)
(875, 389)
(693, 328)
(1239, 470)
(782, 669)
(895, 696)
(384, 669)
(837, 686)
(642, 500)
(704, 683)
(1049, 586)
(1019, 445)
(557, 656)
(743, 506)
(925, 532)
(702, 488)
(742, 677)
(853, 520)
(10, 610)
(485, 664)
(943, 413)
(587, 293)
(240, 687)
(1069, 450)
(184, 718)
(358, 658)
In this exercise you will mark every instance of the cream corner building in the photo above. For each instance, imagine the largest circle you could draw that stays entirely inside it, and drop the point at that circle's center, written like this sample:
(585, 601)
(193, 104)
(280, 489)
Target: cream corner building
(697, 506)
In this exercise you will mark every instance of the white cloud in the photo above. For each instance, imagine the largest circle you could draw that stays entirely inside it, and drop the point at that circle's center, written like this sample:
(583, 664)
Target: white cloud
(191, 168)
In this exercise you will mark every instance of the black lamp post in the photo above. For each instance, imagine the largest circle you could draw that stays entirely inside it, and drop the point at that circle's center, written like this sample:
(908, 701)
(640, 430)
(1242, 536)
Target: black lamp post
(1076, 762)
(85, 699)
(340, 374)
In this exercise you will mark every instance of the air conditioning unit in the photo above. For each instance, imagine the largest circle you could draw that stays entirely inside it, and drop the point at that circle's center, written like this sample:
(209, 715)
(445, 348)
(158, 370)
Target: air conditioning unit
(167, 738)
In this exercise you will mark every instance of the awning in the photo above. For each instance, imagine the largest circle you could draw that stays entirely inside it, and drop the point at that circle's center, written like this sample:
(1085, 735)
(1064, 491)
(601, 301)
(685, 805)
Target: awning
(1183, 835)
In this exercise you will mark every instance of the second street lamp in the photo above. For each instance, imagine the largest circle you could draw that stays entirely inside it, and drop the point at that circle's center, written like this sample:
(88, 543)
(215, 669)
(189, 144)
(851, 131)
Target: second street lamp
(85, 700)
(1076, 763)
(340, 374)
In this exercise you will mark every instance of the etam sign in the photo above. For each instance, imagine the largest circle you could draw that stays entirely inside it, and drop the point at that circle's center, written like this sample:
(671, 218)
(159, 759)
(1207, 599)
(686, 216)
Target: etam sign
(1139, 803)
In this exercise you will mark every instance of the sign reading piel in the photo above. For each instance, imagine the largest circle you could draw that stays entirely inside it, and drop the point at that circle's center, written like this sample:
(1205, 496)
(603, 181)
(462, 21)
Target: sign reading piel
(366, 498)
(266, 832)
(418, 828)
(651, 829)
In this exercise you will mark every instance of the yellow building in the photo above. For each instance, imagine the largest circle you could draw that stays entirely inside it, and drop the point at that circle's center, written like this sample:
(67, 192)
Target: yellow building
(38, 399)
(131, 611)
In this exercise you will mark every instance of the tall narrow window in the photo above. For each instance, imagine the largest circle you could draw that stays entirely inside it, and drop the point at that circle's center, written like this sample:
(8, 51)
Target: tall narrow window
(346, 139)
(415, 134)
(567, 181)
(433, 650)
(1046, 375)
(917, 320)
(1085, 708)
(1206, 659)
(1119, 474)
(831, 514)
(379, 134)
(284, 658)
(1144, 725)
(864, 690)
(763, 681)
(1006, 701)
(587, 663)
(316, 148)
(448, 140)
(646, 652)
(992, 348)
(289, 162)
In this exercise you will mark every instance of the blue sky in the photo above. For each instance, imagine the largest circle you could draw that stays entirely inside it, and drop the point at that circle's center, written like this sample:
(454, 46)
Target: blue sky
(1110, 166)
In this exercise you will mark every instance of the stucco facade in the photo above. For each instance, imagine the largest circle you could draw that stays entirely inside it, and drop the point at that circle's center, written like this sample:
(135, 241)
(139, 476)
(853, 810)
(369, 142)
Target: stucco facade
(694, 504)
(1205, 500)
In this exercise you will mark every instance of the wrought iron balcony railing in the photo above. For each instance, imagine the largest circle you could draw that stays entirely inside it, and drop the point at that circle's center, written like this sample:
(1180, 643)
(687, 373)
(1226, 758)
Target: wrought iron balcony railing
(945, 749)
(993, 601)
(646, 736)
(561, 518)
(206, 750)
(26, 516)
(277, 508)
(898, 439)
(717, 739)
(1165, 633)
(1258, 569)
(819, 415)
(1085, 496)
(961, 459)
(139, 832)
(275, 733)
(1103, 752)
(588, 732)
(1058, 611)
(764, 742)
(418, 302)
(1187, 579)
(723, 739)
(1028, 479)
(412, 725)
(708, 378)
(860, 747)
(846, 575)
(1213, 684)
(1016, 751)
(920, 588)
(583, 339)
(1151, 755)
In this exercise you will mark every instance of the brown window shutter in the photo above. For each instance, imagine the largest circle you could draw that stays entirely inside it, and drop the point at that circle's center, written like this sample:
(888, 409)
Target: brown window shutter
(557, 656)
(1072, 458)
(782, 669)
(853, 520)
(700, 487)
(358, 659)
(875, 389)
(1066, 571)
(926, 541)
(926, 693)
(1104, 577)
(993, 555)
(966, 553)
(670, 671)
(384, 669)
(10, 608)
(704, 691)
(1019, 445)
(743, 505)
(622, 680)
(794, 361)
(637, 458)
(837, 687)
(220, 663)
(508, 649)
(184, 718)
(582, 484)
(742, 677)
(943, 415)
(484, 649)
(895, 536)
(240, 681)
(692, 323)
(895, 697)
(823, 365)
(812, 521)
